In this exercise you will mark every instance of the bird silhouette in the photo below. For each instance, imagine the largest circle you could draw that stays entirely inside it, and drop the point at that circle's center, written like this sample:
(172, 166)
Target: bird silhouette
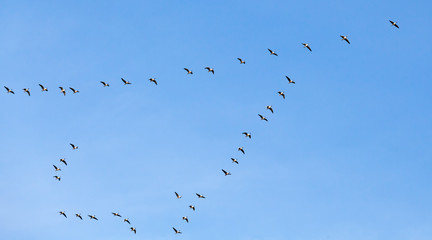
(345, 38)
(306, 45)
(188, 71)
(394, 23)
(272, 52)
(209, 69)
(241, 61)
(226, 173)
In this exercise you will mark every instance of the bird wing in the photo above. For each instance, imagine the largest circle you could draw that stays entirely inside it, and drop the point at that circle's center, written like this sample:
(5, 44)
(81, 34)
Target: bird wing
(123, 80)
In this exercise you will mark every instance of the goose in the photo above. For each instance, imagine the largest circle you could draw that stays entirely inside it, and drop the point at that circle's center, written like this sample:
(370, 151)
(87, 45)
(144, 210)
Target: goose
(63, 91)
(63, 213)
(9, 90)
(116, 214)
(56, 168)
(394, 23)
(186, 219)
(282, 94)
(289, 80)
(63, 161)
(188, 71)
(272, 52)
(57, 178)
(126, 82)
(209, 69)
(104, 84)
(133, 229)
(177, 195)
(126, 220)
(247, 134)
(78, 215)
(241, 61)
(226, 173)
(73, 146)
(92, 217)
(153, 80)
(192, 207)
(199, 195)
(262, 117)
(234, 160)
(306, 45)
(73, 90)
(43, 88)
(176, 231)
(270, 108)
(345, 38)
(26, 90)
(241, 150)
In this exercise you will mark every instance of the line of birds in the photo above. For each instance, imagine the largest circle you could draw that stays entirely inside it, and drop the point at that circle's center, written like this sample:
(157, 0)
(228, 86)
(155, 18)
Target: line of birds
(153, 80)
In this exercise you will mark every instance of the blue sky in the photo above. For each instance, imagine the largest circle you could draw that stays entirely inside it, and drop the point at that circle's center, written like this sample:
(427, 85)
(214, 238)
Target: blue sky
(346, 154)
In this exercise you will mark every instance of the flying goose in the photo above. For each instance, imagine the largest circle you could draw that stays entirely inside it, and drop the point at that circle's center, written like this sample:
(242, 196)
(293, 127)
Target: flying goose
(92, 217)
(43, 88)
(63, 161)
(262, 117)
(192, 207)
(133, 229)
(63, 91)
(125, 82)
(241, 61)
(282, 94)
(186, 219)
(234, 160)
(26, 90)
(73, 146)
(241, 150)
(270, 108)
(394, 23)
(176, 231)
(56, 168)
(345, 38)
(78, 215)
(116, 214)
(306, 45)
(289, 80)
(209, 69)
(188, 71)
(104, 84)
(153, 80)
(177, 195)
(226, 173)
(63, 213)
(272, 52)
(199, 195)
(57, 178)
(247, 134)
(126, 220)
(9, 90)
(73, 90)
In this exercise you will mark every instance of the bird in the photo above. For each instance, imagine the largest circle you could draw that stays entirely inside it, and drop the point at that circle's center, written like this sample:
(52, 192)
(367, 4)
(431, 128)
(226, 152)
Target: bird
(104, 84)
(234, 160)
(153, 80)
(63, 213)
(63, 161)
(73, 90)
(262, 117)
(126, 82)
(241, 150)
(209, 69)
(345, 38)
(270, 108)
(226, 173)
(177, 195)
(282, 94)
(199, 195)
(63, 91)
(43, 88)
(73, 146)
(188, 71)
(289, 80)
(27, 91)
(192, 207)
(247, 134)
(241, 61)
(9, 90)
(56, 168)
(306, 45)
(78, 215)
(394, 23)
(133, 229)
(57, 178)
(186, 219)
(116, 214)
(92, 217)
(176, 231)
(126, 220)
(272, 52)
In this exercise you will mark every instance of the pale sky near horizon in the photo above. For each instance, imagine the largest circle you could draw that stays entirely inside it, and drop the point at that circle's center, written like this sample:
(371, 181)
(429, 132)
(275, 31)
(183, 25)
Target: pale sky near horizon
(345, 156)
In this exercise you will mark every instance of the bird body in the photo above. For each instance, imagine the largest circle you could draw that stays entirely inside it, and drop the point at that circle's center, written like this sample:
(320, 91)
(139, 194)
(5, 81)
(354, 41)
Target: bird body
(200, 195)
(177, 195)
(262, 117)
(73, 146)
(188, 71)
(394, 23)
(282, 94)
(241, 61)
(209, 69)
(272, 52)
(153, 80)
(63, 91)
(73, 90)
(9, 90)
(63, 161)
(241, 150)
(116, 214)
(63, 213)
(247, 134)
(270, 108)
(78, 216)
(345, 38)
(226, 172)
(133, 229)
(43, 88)
(57, 178)
(306, 45)
(289, 80)
(56, 168)
(176, 231)
(26, 90)
(192, 207)
(125, 82)
(186, 219)
(234, 160)
(92, 217)
(126, 220)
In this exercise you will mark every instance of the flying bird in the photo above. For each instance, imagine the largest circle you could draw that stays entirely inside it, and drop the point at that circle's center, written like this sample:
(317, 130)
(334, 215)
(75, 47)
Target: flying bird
(247, 134)
(9, 90)
(43, 88)
(57, 178)
(306, 45)
(126, 82)
(56, 168)
(177, 195)
(176, 231)
(73, 146)
(289, 80)
(92, 217)
(226, 173)
(63, 213)
(73, 90)
(186, 219)
(63, 91)
(241, 61)
(63, 161)
(234, 160)
(272, 52)
(192, 207)
(26, 90)
(104, 84)
(153, 80)
(116, 214)
(78, 215)
(262, 117)
(126, 220)
(282, 94)
(188, 71)
(241, 150)
(199, 195)
(133, 229)
(270, 108)
(394, 23)
(209, 69)
(345, 38)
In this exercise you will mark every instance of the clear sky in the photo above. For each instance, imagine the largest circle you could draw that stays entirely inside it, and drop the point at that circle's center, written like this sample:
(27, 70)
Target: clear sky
(345, 156)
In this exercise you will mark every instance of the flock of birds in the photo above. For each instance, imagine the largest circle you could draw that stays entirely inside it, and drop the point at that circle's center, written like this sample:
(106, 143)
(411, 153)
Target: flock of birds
(153, 80)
